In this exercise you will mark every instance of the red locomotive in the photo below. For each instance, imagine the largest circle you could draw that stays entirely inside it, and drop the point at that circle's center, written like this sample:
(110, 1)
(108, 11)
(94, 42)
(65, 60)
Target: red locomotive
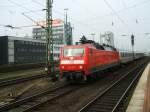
(82, 61)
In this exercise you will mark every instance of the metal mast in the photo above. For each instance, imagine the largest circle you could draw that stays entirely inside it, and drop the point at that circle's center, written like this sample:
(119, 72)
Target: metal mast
(66, 16)
(132, 43)
(49, 40)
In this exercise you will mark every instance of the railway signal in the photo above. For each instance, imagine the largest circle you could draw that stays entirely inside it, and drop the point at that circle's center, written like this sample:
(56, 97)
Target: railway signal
(132, 40)
(132, 43)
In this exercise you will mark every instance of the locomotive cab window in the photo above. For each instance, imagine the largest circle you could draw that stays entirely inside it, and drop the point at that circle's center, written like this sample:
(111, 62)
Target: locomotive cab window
(91, 51)
(73, 52)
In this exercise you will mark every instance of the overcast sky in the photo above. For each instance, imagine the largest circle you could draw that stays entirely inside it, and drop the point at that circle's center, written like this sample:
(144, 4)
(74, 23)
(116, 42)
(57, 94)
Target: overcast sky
(122, 17)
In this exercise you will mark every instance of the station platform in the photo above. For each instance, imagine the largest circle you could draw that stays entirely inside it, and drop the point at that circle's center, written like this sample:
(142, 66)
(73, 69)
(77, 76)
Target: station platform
(140, 101)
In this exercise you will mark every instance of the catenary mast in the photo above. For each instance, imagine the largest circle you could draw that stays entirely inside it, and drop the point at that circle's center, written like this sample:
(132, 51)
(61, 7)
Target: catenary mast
(49, 41)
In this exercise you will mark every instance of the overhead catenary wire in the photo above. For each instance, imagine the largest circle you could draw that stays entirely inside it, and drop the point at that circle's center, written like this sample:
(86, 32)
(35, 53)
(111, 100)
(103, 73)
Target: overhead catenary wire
(124, 9)
(114, 13)
(22, 6)
(29, 11)
(60, 13)
(2, 6)
(32, 11)
(81, 23)
(85, 8)
(16, 27)
(110, 7)
(19, 5)
(124, 4)
(32, 20)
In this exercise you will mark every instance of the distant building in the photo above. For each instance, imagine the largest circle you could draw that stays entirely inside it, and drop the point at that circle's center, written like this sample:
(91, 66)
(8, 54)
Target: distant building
(19, 50)
(62, 35)
(107, 38)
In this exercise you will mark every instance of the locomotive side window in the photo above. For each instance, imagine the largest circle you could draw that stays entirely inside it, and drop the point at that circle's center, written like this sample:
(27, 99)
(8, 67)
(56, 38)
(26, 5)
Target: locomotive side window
(73, 52)
(91, 51)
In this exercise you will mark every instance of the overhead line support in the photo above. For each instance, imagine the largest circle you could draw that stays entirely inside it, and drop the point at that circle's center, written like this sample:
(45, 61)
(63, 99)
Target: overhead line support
(49, 41)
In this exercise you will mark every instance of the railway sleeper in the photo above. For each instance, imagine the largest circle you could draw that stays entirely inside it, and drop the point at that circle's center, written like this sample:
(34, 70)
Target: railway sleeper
(97, 110)
(104, 104)
(110, 99)
(113, 96)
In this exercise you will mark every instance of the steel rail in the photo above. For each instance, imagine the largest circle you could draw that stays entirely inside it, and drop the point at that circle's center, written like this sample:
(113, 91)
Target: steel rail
(19, 67)
(33, 101)
(28, 99)
(16, 80)
(20, 80)
(49, 99)
(87, 106)
(128, 89)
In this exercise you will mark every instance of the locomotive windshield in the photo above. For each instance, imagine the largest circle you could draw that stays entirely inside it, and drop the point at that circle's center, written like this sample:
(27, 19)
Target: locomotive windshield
(73, 51)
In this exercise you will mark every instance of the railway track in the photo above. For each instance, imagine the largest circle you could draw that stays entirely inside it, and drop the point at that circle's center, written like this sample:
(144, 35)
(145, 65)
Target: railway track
(32, 102)
(101, 86)
(76, 100)
(20, 80)
(19, 67)
(113, 97)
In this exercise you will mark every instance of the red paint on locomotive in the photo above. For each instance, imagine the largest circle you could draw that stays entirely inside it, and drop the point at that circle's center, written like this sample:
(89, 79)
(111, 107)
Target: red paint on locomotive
(83, 60)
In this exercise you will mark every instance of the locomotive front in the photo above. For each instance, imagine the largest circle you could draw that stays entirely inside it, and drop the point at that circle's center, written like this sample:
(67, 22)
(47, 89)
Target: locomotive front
(72, 62)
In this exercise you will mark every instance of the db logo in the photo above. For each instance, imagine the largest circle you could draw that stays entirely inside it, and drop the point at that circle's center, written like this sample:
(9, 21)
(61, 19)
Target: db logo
(71, 58)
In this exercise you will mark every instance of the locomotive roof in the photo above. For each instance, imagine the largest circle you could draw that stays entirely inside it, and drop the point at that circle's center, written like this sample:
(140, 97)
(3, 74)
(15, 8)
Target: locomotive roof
(94, 46)
(90, 43)
(81, 45)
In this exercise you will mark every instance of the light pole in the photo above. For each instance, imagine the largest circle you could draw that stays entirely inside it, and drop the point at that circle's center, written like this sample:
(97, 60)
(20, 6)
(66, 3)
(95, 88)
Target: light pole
(100, 39)
(66, 16)
(93, 35)
(66, 27)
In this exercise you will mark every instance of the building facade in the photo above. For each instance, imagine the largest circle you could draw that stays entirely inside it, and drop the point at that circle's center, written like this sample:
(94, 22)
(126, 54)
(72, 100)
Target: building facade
(107, 38)
(62, 35)
(19, 50)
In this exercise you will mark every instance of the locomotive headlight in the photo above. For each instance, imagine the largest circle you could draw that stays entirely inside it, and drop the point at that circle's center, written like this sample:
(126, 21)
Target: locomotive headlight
(81, 67)
(46, 69)
(62, 67)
